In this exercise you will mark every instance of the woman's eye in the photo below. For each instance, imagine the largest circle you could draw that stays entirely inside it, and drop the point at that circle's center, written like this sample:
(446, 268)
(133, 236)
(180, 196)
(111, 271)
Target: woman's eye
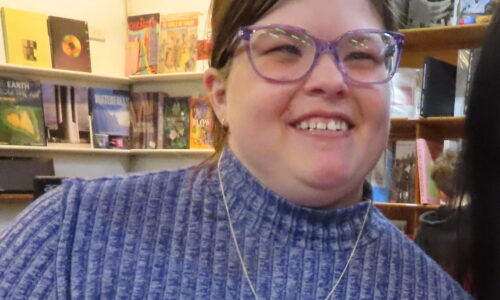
(360, 56)
(287, 49)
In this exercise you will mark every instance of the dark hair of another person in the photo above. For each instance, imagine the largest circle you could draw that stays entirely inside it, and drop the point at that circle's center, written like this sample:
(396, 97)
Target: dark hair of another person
(229, 15)
(479, 169)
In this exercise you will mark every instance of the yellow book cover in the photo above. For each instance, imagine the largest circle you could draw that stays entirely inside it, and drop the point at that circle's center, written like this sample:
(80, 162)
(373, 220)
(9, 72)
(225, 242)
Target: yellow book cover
(178, 43)
(26, 38)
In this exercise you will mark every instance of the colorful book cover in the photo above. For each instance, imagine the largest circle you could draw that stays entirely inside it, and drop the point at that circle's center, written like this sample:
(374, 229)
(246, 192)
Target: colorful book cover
(26, 38)
(145, 120)
(471, 11)
(21, 113)
(66, 111)
(176, 123)
(179, 43)
(428, 190)
(201, 124)
(69, 40)
(143, 31)
(110, 118)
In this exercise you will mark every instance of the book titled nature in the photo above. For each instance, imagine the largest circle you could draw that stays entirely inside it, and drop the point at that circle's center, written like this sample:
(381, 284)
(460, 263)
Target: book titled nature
(110, 118)
(21, 113)
(178, 43)
(69, 41)
(66, 111)
(26, 38)
(176, 123)
(142, 45)
(201, 124)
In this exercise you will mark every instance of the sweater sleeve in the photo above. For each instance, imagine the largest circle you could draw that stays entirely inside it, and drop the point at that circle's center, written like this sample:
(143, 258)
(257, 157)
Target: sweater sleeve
(28, 249)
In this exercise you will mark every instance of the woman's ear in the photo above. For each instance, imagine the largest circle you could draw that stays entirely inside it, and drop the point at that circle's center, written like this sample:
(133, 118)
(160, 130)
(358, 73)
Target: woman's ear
(216, 90)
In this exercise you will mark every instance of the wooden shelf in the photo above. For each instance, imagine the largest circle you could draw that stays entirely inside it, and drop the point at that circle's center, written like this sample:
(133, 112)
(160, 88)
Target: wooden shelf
(435, 128)
(405, 211)
(64, 74)
(12, 197)
(439, 42)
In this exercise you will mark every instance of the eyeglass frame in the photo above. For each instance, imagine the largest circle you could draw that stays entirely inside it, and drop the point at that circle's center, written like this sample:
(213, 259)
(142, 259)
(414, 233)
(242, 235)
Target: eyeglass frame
(244, 33)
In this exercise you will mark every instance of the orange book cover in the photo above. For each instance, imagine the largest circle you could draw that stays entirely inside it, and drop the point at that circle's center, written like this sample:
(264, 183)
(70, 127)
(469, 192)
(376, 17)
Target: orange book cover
(26, 38)
(201, 124)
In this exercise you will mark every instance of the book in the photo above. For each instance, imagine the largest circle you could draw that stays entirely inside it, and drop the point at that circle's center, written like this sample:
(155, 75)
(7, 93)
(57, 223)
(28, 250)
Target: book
(143, 31)
(201, 123)
(21, 113)
(425, 161)
(406, 83)
(438, 88)
(69, 40)
(403, 172)
(471, 10)
(178, 43)
(109, 110)
(66, 111)
(380, 177)
(466, 66)
(146, 120)
(26, 38)
(176, 123)
(425, 13)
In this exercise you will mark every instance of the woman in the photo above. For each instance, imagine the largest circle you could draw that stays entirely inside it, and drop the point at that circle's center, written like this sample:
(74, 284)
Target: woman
(479, 174)
(282, 213)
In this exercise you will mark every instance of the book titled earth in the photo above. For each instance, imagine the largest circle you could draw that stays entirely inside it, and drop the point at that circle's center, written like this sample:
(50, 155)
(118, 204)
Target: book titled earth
(21, 113)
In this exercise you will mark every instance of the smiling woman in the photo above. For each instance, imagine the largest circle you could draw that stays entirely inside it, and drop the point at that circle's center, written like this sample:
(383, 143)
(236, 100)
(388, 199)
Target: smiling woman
(282, 211)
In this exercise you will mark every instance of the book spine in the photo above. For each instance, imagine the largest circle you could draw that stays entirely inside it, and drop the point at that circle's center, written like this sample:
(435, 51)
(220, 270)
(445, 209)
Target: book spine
(425, 78)
(421, 169)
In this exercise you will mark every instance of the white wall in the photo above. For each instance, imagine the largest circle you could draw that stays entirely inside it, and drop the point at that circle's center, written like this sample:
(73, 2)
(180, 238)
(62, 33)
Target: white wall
(105, 16)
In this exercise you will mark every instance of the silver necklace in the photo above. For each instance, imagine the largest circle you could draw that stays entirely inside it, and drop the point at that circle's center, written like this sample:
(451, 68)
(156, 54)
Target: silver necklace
(242, 261)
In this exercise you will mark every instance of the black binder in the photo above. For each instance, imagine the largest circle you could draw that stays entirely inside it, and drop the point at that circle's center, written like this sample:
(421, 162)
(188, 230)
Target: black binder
(438, 88)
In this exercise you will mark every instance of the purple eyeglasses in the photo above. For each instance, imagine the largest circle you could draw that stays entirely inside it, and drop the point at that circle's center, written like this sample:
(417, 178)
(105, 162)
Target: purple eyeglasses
(284, 53)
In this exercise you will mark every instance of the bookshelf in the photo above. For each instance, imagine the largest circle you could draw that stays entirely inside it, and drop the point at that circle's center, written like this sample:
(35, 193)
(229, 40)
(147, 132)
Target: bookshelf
(92, 151)
(62, 74)
(442, 43)
(439, 42)
(166, 77)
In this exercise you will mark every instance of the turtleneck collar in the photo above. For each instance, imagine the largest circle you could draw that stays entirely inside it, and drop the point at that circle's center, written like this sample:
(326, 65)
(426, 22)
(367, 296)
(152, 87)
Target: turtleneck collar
(256, 209)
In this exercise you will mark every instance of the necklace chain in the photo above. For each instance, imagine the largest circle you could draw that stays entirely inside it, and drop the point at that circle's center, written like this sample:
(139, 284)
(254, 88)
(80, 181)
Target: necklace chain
(240, 256)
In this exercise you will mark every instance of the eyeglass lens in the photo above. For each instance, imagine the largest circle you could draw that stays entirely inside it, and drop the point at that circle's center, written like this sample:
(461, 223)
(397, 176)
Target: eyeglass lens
(285, 55)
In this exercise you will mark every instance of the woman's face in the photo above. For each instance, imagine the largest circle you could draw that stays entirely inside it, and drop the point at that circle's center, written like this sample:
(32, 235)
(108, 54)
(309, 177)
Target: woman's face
(315, 168)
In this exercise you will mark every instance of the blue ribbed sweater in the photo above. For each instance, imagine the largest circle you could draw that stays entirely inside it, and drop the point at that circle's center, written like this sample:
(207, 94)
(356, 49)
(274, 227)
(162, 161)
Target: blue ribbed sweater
(165, 235)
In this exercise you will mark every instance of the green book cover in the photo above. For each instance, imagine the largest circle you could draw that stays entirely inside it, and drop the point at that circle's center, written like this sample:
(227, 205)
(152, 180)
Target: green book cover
(21, 113)
(176, 123)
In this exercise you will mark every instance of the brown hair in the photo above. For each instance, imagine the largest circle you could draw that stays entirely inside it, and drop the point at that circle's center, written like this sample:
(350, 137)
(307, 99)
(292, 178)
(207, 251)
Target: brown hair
(227, 16)
(443, 172)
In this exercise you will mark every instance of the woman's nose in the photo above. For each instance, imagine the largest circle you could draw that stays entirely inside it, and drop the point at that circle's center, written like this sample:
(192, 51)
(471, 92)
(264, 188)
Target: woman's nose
(325, 78)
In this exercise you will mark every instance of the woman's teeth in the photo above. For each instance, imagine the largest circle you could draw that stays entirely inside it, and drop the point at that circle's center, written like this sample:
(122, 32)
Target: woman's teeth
(333, 125)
